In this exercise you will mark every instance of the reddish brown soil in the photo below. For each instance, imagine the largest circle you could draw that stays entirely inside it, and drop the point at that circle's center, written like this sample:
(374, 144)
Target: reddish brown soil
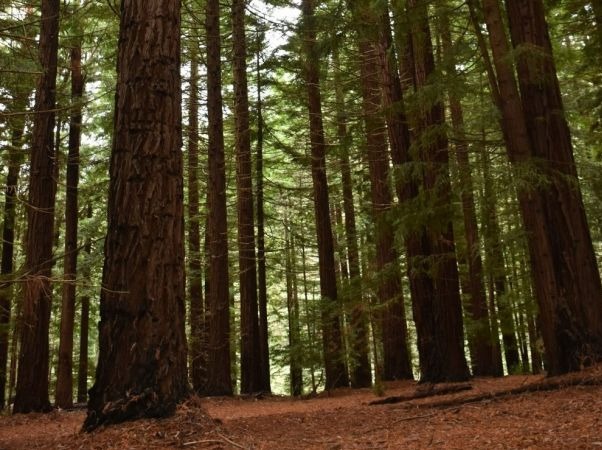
(569, 418)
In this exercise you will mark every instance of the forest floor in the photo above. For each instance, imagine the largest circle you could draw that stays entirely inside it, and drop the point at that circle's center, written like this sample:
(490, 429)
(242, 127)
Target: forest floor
(513, 412)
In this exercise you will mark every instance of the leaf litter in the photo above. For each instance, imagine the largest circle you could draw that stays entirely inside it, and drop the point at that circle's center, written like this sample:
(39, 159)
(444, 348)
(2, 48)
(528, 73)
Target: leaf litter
(515, 412)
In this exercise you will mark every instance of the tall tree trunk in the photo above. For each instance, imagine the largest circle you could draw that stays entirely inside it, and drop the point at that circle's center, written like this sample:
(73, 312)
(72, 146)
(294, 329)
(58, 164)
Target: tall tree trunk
(439, 320)
(292, 305)
(442, 349)
(262, 297)
(407, 177)
(576, 304)
(195, 284)
(142, 343)
(482, 341)
(219, 381)
(494, 254)
(493, 245)
(64, 382)
(391, 310)
(250, 354)
(15, 157)
(361, 373)
(334, 359)
(564, 269)
(310, 329)
(32, 378)
(82, 372)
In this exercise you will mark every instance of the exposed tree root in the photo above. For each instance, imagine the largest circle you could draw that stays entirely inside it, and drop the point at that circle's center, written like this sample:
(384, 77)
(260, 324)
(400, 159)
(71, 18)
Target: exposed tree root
(132, 407)
(425, 390)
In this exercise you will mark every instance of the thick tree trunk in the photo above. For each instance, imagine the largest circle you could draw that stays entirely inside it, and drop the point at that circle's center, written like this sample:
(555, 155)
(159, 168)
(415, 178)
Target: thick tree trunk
(142, 344)
(262, 297)
(391, 311)
(250, 355)
(32, 378)
(361, 373)
(572, 313)
(564, 269)
(219, 381)
(334, 358)
(195, 284)
(407, 177)
(64, 382)
(442, 348)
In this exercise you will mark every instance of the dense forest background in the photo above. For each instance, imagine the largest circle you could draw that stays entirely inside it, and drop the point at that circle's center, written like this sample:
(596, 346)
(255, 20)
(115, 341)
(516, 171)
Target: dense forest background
(355, 188)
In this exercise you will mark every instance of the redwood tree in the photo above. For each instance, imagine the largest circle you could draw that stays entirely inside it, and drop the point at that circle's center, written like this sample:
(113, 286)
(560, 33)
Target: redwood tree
(336, 372)
(32, 378)
(15, 157)
(64, 382)
(262, 295)
(219, 380)
(142, 345)
(391, 310)
(567, 280)
(359, 370)
(195, 291)
(485, 356)
(250, 356)
(439, 319)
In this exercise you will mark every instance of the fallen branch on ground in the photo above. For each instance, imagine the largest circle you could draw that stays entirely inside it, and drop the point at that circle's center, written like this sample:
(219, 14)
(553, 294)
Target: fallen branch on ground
(427, 390)
(548, 384)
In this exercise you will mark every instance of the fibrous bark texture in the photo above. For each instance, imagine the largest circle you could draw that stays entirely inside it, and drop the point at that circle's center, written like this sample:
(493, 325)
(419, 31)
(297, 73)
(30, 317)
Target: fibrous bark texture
(564, 269)
(32, 378)
(142, 345)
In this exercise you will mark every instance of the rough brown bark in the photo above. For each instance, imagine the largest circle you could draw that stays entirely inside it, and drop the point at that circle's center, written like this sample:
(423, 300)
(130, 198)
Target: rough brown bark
(262, 296)
(334, 358)
(32, 378)
(564, 269)
(250, 357)
(195, 285)
(15, 157)
(572, 315)
(219, 381)
(391, 311)
(64, 382)
(360, 370)
(142, 344)
(440, 339)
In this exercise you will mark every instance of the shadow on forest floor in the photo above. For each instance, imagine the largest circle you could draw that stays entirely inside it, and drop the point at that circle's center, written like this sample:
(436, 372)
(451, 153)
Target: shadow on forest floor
(511, 412)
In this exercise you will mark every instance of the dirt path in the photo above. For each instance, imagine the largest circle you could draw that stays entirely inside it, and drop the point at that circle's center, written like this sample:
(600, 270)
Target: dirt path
(570, 418)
